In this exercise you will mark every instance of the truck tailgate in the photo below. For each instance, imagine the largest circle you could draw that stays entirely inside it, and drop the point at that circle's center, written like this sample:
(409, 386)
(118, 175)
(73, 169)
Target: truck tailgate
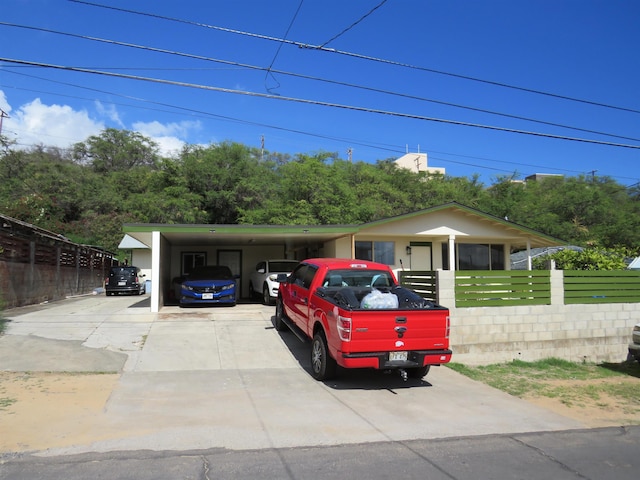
(395, 330)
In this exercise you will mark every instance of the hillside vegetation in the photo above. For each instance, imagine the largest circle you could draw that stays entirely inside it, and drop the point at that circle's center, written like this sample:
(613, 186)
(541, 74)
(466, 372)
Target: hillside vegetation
(88, 191)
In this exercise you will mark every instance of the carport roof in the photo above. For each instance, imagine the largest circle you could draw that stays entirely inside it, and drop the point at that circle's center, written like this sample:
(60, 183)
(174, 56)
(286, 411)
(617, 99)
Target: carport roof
(239, 234)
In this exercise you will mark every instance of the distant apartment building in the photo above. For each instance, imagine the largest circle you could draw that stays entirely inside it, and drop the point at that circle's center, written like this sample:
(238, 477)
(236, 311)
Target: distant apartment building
(536, 177)
(417, 162)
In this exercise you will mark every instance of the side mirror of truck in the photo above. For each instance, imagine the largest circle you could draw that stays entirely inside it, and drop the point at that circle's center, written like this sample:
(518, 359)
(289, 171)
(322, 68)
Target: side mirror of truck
(282, 278)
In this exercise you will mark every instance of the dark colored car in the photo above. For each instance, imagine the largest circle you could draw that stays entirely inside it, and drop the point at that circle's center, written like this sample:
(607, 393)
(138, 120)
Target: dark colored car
(208, 285)
(634, 346)
(125, 280)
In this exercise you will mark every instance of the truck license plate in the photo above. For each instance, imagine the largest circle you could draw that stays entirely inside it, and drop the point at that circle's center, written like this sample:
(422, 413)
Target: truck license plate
(397, 356)
(122, 284)
(207, 296)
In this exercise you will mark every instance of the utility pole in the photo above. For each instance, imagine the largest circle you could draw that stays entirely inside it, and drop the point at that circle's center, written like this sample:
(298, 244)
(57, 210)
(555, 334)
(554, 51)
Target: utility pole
(262, 148)
(350, 154)
(3, 114)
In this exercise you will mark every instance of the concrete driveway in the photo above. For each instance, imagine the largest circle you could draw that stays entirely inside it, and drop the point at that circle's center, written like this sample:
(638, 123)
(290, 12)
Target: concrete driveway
(203, 378)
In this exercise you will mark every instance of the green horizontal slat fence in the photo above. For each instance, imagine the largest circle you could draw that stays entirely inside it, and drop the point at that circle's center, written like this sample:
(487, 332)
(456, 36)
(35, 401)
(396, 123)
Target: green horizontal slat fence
(493, 288)
(602, 286)
(422, 282)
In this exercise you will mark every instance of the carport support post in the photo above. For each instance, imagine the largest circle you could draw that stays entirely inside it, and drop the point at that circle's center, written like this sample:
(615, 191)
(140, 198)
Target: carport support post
(155, 272)
(452, 252)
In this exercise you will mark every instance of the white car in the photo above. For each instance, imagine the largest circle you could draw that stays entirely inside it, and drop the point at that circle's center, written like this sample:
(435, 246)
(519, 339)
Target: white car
(263, 278)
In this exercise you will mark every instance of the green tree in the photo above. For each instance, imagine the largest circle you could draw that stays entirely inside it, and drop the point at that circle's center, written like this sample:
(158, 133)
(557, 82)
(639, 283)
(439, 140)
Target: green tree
(228, 177)
(116, 150)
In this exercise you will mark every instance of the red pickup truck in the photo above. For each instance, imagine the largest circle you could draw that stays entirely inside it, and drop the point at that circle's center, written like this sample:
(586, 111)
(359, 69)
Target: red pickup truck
(357, 316)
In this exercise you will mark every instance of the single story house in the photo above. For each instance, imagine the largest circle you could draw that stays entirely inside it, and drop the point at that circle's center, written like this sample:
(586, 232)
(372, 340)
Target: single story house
(445, 237)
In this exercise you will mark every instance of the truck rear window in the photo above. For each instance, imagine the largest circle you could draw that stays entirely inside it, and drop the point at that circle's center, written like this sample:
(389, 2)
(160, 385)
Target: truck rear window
(358, 278)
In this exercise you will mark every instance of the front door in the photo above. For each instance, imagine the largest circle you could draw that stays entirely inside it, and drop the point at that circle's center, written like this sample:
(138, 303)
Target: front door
(421, 257)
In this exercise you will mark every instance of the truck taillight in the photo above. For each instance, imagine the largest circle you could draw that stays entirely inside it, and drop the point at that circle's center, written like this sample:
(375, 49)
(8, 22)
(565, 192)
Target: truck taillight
(448, 328)
(344, 328)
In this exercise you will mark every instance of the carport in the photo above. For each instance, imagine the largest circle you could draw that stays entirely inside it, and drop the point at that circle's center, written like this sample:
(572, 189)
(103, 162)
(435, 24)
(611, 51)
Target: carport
(239, 246)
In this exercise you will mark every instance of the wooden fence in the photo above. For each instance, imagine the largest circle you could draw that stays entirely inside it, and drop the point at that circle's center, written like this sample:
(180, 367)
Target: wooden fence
(37, 265)
(422, 282)
(497, 288)
(614, 286)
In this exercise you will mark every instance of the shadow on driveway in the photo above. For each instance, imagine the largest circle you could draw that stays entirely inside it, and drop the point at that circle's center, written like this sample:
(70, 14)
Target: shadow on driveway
(350, 378)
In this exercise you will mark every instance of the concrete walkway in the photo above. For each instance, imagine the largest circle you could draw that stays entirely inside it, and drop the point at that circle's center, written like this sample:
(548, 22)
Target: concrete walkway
(202, 378)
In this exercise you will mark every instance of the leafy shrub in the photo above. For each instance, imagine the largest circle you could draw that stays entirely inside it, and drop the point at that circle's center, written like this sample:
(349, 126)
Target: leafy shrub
(590, 258)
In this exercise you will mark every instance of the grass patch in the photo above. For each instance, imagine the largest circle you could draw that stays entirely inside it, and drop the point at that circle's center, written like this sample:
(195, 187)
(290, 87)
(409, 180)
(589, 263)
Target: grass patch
(573, 384)
(6, 402)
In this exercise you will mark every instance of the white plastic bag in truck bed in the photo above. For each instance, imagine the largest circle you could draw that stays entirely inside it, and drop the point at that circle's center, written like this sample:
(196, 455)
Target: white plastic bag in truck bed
(379, 300)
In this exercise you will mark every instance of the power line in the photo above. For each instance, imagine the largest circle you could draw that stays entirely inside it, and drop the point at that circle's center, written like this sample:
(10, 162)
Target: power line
(376, 146)
(295, 15)
(354, 23)
(269, 70)
(318, 103)
(361, 56)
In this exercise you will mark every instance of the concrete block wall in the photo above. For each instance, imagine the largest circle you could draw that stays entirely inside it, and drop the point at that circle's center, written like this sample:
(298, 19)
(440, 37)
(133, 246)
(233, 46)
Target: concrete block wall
(485, 335)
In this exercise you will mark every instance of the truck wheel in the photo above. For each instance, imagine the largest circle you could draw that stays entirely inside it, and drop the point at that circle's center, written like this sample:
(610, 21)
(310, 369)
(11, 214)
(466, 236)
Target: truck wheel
(266, 297)
(419, 372)
(278, 322)
(323, 367)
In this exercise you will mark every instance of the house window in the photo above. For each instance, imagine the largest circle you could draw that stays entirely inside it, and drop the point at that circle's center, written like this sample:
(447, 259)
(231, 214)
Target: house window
(475, 256)
(381, 252)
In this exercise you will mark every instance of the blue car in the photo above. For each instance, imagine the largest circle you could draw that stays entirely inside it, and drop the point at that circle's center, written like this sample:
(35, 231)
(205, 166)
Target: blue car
(208, 285)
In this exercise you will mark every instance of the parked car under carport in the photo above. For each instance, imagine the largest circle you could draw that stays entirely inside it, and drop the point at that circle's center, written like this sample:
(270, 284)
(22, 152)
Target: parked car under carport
(212, 284)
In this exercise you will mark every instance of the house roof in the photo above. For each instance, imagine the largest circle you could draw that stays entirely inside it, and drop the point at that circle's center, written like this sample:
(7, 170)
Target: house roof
(445, 221)
(129, 243)
(440, 221)
(635, 264)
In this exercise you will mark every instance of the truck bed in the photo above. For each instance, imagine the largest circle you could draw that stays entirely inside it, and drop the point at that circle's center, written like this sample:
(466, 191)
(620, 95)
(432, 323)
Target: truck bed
(350, 298)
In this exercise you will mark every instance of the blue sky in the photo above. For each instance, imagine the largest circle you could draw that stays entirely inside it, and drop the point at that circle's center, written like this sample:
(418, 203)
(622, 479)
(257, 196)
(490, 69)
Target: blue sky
(455, 61)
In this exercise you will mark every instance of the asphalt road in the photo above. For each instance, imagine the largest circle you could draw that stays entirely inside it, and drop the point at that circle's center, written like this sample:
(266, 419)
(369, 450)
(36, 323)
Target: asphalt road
(597, 454)
(218, 393)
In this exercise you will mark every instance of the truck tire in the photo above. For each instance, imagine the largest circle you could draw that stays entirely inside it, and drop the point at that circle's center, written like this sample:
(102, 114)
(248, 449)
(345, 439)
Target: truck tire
(278, 322)
(419, 372)
(323, 367)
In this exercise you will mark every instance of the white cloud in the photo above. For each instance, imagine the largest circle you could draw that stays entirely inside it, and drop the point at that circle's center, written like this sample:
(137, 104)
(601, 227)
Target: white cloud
(35, 123)
(110, 112)
(168, 136)
(4, 105)
(61, 126)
